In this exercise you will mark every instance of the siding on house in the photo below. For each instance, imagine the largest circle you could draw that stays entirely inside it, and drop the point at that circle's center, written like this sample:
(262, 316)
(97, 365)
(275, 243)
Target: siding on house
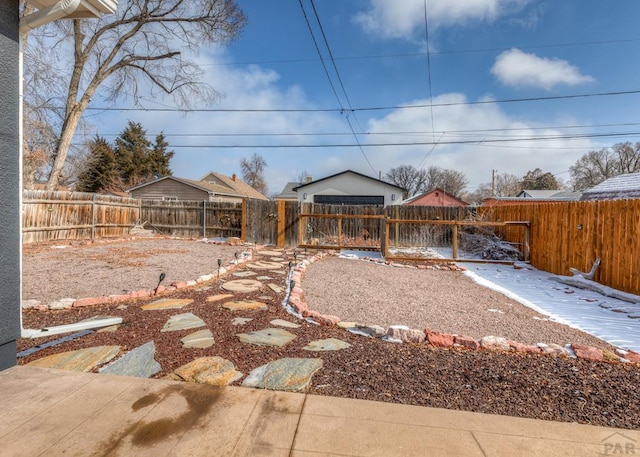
(349, 187)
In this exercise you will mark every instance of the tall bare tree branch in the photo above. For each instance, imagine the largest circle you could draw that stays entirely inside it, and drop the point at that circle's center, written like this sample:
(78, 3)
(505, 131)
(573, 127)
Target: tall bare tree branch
(146, 42)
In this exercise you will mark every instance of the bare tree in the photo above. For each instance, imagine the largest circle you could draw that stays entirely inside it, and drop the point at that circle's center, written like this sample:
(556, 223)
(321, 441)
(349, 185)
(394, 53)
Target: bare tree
(146, 43)
(451, 181)
(253, 172)
(504, 185)
(596, 166)
(408, 177)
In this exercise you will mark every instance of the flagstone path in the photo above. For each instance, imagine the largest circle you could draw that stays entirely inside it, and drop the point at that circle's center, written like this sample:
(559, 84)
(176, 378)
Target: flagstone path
(293, 374)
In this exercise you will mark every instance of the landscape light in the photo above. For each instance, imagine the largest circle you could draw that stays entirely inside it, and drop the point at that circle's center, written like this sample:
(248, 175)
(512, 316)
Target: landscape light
(162, 276)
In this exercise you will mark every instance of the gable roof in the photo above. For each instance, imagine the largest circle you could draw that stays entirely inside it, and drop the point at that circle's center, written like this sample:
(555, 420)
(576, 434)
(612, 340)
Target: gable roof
(617, 187)
(436, 189)
(288, 192)
(238, 185)
(216, 189)
(533, 193)
(346, 172)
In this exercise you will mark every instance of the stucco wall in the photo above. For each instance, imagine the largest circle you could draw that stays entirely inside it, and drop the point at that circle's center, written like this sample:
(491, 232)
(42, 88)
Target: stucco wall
(350, 184)
(10, 188)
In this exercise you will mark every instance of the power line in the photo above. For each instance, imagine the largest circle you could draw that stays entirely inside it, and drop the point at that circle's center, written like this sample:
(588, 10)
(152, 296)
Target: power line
(335, 67)
(324, 66)
(415, 143)
(399, 133)
(376, 108)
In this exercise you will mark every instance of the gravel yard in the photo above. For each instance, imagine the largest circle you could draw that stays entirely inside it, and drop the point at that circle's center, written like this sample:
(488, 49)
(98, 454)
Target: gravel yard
(445, 301)
(79, 270)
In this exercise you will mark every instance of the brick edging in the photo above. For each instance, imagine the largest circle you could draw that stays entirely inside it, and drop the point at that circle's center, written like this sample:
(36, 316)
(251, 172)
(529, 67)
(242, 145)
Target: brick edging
(403, 334)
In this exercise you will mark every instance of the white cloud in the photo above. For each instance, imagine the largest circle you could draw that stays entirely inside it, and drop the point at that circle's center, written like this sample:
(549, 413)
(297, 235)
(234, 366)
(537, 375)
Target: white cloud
(520, 69)
(400, 19)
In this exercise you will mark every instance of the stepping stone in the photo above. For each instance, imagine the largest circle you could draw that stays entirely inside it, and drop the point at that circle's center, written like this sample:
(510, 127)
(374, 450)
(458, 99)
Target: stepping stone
(244, 274)
(245, 286)
(264, 278)
(241, 320)
(267, 337)
(290, 374)
(276, 289)
(80, 360)
(330, 344)
(244, 305)
(283, 323)
(219, 297)
(138, 362)
(214, 371)
(167, 303)
(200, 339)
(203, 288)
(182, 322)
(263, 265)
(271, 253)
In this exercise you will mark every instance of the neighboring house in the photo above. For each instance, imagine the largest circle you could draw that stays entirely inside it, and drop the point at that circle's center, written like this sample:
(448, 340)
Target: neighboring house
(616, 188)
(349, 188)
(532, 197)
(288, 194)
(435, 197)
(537, 194)
(214, 187)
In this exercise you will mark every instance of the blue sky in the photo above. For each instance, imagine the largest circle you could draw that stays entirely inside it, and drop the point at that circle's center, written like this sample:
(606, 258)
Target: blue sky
(480, 52)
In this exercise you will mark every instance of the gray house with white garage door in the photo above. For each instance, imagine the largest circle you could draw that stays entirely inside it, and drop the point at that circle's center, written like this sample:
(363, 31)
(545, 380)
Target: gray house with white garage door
(349, 188)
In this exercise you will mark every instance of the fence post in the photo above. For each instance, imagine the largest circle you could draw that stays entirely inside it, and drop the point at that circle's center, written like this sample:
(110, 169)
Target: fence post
(282, 224)
(93, 217)
(454, 241)
(397, 211)
(243, 223)
(204, 218)
(339, 231)
(384, 237)
(527, 239)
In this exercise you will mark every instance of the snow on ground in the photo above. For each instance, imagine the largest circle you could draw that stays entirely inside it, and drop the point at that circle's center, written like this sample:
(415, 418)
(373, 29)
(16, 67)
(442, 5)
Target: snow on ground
(585, 310)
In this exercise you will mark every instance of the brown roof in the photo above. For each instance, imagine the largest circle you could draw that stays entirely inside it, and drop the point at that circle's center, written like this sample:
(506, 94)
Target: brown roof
(237, 184)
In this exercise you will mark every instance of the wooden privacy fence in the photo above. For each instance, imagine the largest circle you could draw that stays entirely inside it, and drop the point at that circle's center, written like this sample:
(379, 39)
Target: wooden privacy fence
(574, 234)
(75, 215)
(193, 218)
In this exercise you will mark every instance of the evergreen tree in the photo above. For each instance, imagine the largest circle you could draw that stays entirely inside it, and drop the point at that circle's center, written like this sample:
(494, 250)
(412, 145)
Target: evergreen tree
(131, 161)
(101, 172)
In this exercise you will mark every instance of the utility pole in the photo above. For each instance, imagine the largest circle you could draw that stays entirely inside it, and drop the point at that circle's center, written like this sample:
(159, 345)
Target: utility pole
(493, 183)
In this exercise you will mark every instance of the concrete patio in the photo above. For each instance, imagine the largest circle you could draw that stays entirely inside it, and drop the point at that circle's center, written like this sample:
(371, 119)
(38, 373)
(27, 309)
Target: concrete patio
(55, 412)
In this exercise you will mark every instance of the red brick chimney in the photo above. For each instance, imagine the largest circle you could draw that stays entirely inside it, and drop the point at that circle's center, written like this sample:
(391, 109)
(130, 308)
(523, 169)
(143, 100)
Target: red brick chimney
(233, 177)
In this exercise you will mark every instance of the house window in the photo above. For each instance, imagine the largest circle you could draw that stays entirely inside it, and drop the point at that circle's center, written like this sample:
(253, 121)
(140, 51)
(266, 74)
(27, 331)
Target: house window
(170, 198)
